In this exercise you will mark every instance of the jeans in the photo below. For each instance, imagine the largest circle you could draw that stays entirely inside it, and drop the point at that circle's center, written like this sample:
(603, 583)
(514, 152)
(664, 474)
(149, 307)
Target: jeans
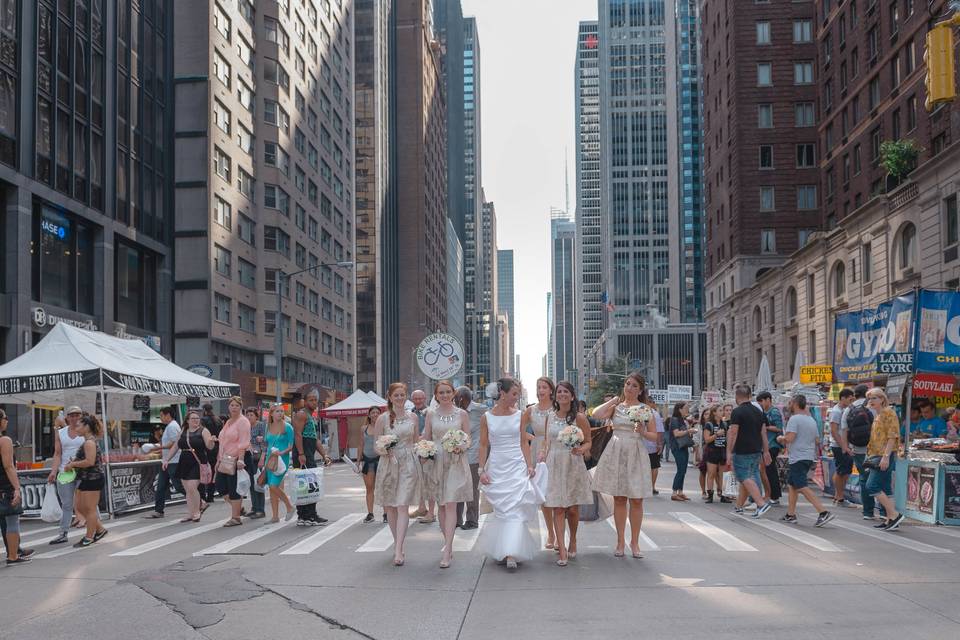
(165, 478)
(773, 476)
(66, 492)
(472, 508)
(307, 511)
(257, 498)
(682, 456)
(746, 466)
(880, 481)
(865, 499)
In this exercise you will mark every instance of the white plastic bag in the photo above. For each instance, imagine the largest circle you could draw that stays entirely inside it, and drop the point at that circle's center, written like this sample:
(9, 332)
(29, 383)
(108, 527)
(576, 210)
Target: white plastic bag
(50, 511)
(281, 467)
(243, 483)
(256, 481)
(304, 486)
(731, 488)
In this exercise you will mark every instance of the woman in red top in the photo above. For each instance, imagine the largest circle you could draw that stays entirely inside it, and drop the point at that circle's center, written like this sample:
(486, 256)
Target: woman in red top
(234, 441)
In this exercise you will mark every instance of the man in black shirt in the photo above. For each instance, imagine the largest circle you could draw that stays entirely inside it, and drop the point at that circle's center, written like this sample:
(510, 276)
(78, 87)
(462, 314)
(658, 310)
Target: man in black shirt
(747, 446)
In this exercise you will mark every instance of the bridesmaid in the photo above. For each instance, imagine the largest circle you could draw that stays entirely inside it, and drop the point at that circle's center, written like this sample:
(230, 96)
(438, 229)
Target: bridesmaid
(534, 422)
(624, 468)
(398, 472)
(453, 481)
(568, 481)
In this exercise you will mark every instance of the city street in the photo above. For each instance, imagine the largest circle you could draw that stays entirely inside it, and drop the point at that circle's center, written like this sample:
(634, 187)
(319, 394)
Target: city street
(707, 573)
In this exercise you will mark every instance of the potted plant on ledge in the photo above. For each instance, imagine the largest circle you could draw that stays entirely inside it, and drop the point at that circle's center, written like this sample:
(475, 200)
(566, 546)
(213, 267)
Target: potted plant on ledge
(899, 158)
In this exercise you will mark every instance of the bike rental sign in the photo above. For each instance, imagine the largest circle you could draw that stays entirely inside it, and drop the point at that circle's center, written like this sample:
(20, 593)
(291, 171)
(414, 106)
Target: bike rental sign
(440, 356)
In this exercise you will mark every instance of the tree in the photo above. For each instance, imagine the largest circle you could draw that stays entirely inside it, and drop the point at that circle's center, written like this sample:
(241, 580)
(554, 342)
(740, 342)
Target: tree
(899, 158)
(609, 382)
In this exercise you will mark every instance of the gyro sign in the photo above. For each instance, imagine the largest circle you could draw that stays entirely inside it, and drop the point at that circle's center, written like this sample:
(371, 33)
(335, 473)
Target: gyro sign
(859, 337)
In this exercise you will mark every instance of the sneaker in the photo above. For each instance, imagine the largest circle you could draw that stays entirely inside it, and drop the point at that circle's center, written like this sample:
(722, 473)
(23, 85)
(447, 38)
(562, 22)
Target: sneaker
(468, 525)
(726, 500)
(256, 515)
(751, 506)
(20, 560)
(869, 516)
(26, 553)
(895, 523)
(321, 520)
(303, 523)
(368, 519)
(83, 542)
(774, 502)
(60, 539)
(317, 522)
(883, 524)
(789, 518)
(738, 511)
(762, 510)
(708, 500)
(156, 515)
(824, 518)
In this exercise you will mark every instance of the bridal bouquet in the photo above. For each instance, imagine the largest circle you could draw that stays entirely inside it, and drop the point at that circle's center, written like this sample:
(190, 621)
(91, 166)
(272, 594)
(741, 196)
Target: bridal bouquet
(385, 443)
(639, 414)
(570, 436)
(426, 449)
(455, 441)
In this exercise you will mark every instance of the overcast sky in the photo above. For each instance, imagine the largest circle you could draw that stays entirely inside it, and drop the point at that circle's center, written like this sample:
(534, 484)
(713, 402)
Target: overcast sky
(527, 52)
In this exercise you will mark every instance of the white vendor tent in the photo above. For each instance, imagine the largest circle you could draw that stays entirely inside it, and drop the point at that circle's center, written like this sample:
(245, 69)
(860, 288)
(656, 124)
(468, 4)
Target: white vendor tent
(376, 399)
(357, 403)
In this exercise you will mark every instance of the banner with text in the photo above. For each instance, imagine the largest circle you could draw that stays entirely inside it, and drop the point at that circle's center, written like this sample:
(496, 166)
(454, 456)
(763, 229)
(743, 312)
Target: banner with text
(860, 335)
(938, 349)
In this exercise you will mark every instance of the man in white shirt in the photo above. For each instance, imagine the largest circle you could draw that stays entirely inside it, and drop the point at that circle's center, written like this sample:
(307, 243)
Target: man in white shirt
(859, 453)
(655, 448)
(171, 433)
(842, 460)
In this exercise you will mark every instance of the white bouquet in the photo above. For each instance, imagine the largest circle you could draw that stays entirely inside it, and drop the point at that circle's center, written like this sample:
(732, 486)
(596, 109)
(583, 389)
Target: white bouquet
(570, 436)
(385, 443)
(639, 413)
(426, 449)
(455, 441)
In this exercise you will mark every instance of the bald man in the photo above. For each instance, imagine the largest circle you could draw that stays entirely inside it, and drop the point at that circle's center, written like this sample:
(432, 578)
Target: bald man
(423, 514)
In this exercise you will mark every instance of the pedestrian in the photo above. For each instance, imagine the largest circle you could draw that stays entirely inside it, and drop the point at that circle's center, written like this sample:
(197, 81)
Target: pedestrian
(194, 467)
(624, 467)
(655, 448)
(681, 441)
(882, 456)
(715, 440)
(11, 499)
(234, 440)
(855, 426)
(258, 440)
(66, 442)
(424, 513)
(167, 476)
(452, 482)
(367, 460)
(307, 447)
(398, 482)
(801, 438)
(279, 444)
(506, 470)
(213, 425)
(771, 475)
(747, 447)
(534, 422)
(842, 461)
(568, 481)
(88, 463)
(468, 512)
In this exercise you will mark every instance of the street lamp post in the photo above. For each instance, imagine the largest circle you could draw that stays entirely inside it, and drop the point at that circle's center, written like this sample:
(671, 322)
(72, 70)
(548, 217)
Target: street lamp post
(278, 323)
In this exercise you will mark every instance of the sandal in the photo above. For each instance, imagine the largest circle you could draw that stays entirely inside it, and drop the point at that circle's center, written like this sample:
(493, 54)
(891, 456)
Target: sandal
(232, 522)
(561, 563)
(204, 506)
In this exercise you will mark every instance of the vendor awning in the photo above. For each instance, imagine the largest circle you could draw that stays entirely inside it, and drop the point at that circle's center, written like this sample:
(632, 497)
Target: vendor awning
(357, 404)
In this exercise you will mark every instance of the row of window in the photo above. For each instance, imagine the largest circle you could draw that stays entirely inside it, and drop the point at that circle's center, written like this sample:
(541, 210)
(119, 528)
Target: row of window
(802, 73)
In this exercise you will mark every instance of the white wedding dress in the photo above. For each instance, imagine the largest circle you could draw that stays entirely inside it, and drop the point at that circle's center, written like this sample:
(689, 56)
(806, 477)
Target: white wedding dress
(513, 529)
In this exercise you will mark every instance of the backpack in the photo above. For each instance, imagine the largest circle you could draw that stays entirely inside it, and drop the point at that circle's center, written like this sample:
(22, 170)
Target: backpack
(859, 425)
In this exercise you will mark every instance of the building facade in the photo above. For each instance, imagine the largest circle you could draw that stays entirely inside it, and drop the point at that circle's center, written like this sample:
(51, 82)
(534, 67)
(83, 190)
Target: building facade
(563, 273)
(456, 325)
(487, 354)
(505, 304)
(264, 186)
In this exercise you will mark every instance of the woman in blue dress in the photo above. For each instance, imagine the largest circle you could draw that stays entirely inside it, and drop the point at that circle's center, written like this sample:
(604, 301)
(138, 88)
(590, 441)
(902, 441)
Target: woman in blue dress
(280, 440)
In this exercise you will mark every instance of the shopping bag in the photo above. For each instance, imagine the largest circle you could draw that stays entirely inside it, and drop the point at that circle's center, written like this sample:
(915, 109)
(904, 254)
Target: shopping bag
(50, 511)
(243, 484)
(260, 480)
(730, 485)
(304, 486)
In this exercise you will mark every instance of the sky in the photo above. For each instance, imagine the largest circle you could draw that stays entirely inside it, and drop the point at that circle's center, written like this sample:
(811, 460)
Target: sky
(527, 53)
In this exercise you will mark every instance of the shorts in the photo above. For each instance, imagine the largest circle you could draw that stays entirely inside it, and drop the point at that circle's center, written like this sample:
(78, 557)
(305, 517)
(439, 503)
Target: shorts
(843, 461)
(369, 464)
(716, 455)
(799, 472)
(654, 460)
(227, 485)
(90, 484)
(881, 481)
(746, 466)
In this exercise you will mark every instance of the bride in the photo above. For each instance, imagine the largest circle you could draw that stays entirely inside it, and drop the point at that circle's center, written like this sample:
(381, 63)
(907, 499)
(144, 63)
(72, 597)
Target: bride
(506, 469)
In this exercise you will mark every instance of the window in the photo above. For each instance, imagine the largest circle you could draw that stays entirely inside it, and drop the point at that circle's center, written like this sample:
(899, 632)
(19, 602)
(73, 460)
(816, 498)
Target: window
(247, 273)
(276, 198)
(803, 31)
(276, 33)
(246, 318)
(221, 69)
(894, 14)
(314, 338)
(276, 115)
(804, 114)
(895, 71)
(951, 223)
(246, 184)
(221, 163)
(895, 124)
(806, 197)
(274, 72)
(766, 198)
(812, 346)
(275, 156)
(221, 308)
(222, 212)
(313, 228)
(222, 261)
(244, 139)
(245, 52)
(854, 62)
(269, 322)
(766, 156)
(300, 217)
(811, 291)
(909, 58)
(221, 117)
(806, 156)
(300, 295)
(768, 241)
(221, 22)
(856, 160)
(764, 74)
(803, 237)
(911, 113)
(846, 169)
(765, 116)
(247, 229)
(245, 95)
(875, 140)
(866, 262)
(803, 72)
(790, 305)
(873, 43)
(763, 32)
(828, 139)
(63, 267)
(839, 280)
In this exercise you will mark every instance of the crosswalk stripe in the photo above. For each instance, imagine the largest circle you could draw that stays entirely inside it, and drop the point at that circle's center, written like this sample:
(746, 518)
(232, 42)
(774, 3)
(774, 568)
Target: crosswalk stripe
(244, 538)
(168, 540)
(886, 536)
(380, 541)
(27, 538)
(110, 539)
(32, 532)
(799, 535)
(324, 536)
(465, 540)
(715, 534)
(646, 543)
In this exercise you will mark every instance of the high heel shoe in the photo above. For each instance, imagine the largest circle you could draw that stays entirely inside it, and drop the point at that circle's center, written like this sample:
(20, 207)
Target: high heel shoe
(618, 553)
(636, 554)
(398, 562)
(561, 562)
(571, 554)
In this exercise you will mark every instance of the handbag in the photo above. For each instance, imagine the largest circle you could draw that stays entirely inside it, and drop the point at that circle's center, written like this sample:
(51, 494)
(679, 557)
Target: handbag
(206, 473)
(872, 462)
(683, 442)
(227, 465)
(7, 507)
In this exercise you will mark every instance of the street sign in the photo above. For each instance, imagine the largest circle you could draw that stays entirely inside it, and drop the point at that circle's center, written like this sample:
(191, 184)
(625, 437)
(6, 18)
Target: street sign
(660, 396)
(898, 363)
(679, 392)
(816, 374)
(440, 356)
(932, 385)
(710, 397)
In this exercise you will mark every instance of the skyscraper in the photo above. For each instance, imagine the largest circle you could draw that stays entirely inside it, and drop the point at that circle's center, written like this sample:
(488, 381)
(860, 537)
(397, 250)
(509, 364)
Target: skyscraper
(563, 231)
(505, 302)
(488, 352)
(590, 320)
(265, 183)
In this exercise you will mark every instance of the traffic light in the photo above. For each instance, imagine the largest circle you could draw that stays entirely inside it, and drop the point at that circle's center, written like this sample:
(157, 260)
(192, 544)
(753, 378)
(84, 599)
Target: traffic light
(938, 58)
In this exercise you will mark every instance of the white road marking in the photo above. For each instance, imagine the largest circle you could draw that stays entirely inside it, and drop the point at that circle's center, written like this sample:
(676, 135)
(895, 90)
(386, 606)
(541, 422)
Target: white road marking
(645, 542)
(189, 532)
(465, 540)
(791, 531)
(73, 533)
(244, 538)
(715, 534)
(323, 536)
(887, 536)
(380, 541)
(110, 539)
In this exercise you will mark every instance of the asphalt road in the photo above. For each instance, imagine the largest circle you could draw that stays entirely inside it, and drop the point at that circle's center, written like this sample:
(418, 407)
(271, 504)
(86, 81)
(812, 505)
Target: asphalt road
(707, 574)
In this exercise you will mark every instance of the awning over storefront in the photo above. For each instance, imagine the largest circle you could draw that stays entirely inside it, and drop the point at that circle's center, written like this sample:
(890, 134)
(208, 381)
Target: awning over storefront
(357, 404)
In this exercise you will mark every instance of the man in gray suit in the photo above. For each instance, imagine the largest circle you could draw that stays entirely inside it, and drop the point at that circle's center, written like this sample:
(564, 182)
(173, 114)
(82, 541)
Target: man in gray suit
(464, 400)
